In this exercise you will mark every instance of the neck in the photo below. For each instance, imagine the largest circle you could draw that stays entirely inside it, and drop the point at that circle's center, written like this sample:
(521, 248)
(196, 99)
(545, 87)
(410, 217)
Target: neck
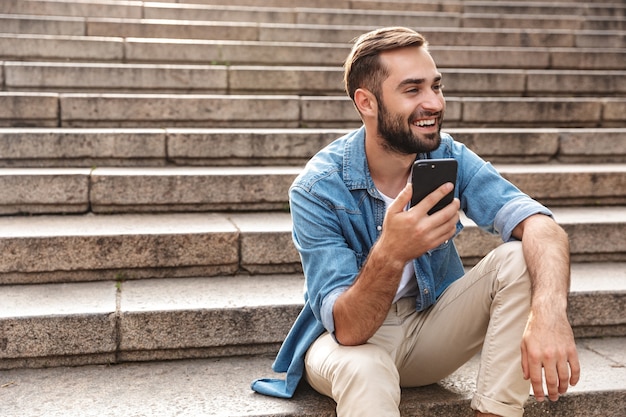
(390, 170)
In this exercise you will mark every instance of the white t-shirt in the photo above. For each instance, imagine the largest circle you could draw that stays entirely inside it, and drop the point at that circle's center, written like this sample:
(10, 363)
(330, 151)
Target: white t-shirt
(408, 283)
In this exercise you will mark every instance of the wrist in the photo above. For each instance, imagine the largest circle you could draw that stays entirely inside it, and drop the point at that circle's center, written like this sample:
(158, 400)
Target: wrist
(549, 307)
(384, 256)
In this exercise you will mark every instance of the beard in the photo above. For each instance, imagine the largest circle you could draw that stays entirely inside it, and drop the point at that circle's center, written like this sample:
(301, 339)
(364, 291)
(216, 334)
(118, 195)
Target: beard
(399, 137)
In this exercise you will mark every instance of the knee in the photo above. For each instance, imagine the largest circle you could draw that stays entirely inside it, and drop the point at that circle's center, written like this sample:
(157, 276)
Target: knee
(512, 268)
(368, 370)
(368, 362)
(510, 251)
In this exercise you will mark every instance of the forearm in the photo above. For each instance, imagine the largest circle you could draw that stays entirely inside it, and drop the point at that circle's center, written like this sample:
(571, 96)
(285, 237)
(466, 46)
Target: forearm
(361, 310)
(546, 250)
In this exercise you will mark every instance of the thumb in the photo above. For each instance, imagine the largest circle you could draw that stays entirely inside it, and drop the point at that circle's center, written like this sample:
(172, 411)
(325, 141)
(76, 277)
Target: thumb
(402, 199)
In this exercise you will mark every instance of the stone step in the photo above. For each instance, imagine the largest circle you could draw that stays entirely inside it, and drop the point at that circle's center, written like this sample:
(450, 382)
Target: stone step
(559, 7)
(221, 387)
(582, 7)
(608, 8)
(278, 32)
(30, 109)
(237, 79)
(245, 189)
(155, 319)
(90, 247)
(87, 148)
(198, 51)
(610, 18)
(94, 8)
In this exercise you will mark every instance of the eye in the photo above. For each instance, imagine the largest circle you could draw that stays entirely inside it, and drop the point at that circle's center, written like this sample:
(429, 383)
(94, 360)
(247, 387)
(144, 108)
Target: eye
(438, 87)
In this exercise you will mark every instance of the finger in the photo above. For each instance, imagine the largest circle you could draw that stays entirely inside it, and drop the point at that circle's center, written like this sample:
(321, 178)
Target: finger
(564, 376)
(449, 212)
(536, 381)
(574, 366)
(402, 199)
(433, 198)
(552, 382)
(525, 369)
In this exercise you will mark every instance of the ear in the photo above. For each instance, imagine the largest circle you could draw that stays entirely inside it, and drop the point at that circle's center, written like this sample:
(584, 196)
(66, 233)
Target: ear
(365, 102)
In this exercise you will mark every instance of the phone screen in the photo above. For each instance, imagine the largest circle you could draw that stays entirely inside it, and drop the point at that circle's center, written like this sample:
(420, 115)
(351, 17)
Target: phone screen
(430, 174)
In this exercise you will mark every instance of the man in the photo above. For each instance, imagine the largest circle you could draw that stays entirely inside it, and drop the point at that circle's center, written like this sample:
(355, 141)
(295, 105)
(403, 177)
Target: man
(387, 301)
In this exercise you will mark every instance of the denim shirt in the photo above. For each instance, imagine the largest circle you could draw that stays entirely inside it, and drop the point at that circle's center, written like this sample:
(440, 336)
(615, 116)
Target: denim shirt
(337, 215)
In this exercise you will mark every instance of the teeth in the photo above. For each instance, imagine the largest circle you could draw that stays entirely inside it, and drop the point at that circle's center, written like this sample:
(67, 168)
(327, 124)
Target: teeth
(423, 123)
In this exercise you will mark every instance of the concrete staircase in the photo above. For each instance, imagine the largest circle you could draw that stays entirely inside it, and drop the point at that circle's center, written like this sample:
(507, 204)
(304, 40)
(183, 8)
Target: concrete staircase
(145, 153)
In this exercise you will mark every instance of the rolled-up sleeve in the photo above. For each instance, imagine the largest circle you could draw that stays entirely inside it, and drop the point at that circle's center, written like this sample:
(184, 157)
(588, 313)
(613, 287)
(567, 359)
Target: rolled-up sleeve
(327, 309)
(514, 212)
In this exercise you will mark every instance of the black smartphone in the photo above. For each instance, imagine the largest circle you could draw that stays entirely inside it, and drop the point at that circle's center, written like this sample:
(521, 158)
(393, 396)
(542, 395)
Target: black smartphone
(430, 174)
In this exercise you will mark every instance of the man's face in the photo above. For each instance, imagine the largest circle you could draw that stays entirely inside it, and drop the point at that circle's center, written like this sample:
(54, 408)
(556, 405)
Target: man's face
(410, 111)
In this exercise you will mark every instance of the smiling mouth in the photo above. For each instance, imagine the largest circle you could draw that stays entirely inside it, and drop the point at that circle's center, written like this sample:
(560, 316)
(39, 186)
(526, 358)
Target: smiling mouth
(425, 123)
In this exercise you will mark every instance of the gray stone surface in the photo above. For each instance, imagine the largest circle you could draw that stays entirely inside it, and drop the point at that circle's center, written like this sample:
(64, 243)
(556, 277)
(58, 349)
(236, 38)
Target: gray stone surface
(607, 314)
(36, 47)
(511, 145)
(133, 110)
(483, 13)
(48, 25)
(173, 318)
(246, 146)
(593, 83)
(266, 243)
(127, 9)
(82, 147)
(234, 52)
(138, 28)
(24, 147)
(558, 185)
(588, 58)
(207, 312)
(195, 51)
(245, 30)
(96, 247)
(28, 109)
(57, 320)
(590, 233)
(519, 111)
(105, 247)
(24, 190)
(190, 189)
(592, 145)
(220, 387)
(273, 79)
(137, 110)
(614, 111)
(113, 77)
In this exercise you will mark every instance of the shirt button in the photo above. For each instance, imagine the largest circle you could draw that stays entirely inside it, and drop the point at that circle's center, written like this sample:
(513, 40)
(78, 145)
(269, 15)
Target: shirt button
(379, 228)
(426, 291)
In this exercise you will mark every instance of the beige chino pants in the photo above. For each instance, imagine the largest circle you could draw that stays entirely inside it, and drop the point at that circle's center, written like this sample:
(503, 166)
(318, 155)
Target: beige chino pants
(488, 308)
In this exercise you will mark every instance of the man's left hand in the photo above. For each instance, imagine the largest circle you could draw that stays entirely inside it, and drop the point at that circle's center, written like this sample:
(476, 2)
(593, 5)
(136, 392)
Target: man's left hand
(549, 349)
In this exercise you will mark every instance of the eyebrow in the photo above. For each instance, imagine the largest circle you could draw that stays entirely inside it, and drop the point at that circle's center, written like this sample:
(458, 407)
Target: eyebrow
(417, 81)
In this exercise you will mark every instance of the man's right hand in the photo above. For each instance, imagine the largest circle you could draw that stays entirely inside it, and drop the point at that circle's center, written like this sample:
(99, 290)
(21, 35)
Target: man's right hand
(409, 234)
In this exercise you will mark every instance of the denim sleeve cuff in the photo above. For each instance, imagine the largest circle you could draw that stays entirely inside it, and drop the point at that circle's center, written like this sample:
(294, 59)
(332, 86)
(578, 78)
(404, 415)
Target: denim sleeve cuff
(327, 309)
(514, 212)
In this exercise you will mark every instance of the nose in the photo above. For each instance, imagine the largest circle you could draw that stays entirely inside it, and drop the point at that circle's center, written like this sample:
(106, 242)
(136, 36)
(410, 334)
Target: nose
(433, 101)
